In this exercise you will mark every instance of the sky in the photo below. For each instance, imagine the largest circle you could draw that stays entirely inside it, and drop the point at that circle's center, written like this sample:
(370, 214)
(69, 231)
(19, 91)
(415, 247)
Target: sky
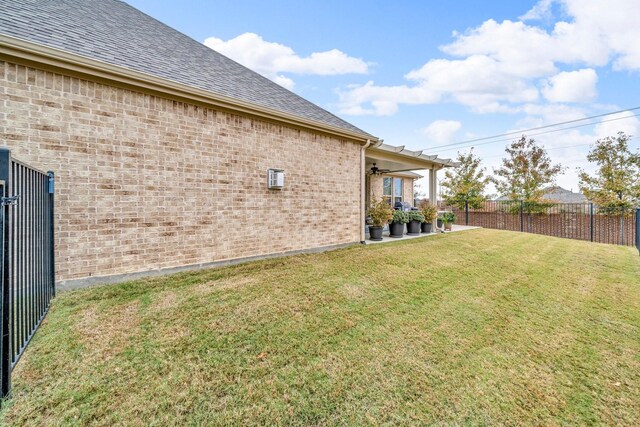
(431, 75)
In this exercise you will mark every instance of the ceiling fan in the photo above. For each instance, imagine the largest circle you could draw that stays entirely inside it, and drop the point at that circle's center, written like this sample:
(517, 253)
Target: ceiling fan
(377, 171)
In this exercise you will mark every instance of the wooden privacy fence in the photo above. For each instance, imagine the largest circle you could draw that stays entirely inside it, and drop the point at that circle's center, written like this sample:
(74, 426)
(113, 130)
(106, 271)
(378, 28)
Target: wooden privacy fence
(580, 221)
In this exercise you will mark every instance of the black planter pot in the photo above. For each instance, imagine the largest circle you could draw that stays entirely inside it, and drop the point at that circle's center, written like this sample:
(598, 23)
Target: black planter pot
(426, 227)
(375, 233)
(396, 229)
(439, 223)
(413, 228)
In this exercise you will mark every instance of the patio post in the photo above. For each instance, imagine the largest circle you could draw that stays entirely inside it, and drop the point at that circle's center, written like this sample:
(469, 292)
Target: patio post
(433, 186)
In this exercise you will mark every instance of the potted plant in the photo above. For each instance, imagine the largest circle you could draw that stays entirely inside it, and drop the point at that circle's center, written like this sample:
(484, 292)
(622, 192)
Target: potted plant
(447, 219)
(430, 212)
(415, 219)
(380, 213)
(396, 226)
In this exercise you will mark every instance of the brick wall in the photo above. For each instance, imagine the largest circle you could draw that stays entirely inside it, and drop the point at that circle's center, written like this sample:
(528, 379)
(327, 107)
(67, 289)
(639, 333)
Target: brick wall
(144, 182)
(407, 189)
(375, 187)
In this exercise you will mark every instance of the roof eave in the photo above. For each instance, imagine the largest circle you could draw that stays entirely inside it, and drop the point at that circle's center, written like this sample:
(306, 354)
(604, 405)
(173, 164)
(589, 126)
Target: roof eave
(416, 156)
(33, 52)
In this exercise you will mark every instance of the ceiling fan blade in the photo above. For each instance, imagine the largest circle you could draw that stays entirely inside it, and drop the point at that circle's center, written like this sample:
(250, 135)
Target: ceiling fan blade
(404, 170)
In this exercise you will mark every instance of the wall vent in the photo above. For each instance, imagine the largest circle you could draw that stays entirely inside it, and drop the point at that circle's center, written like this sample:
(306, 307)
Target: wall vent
(275, 179)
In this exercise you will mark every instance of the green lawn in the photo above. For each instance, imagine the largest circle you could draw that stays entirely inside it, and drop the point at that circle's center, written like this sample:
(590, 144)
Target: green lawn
(478, 327)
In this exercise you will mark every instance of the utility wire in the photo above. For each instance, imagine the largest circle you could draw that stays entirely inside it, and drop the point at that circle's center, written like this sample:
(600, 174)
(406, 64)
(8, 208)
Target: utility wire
(536, 128)
(542, 133)
(548, 149)
(560, 147)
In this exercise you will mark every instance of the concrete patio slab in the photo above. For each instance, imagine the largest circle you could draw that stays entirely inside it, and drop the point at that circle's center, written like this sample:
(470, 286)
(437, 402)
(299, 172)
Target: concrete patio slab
(386, 239)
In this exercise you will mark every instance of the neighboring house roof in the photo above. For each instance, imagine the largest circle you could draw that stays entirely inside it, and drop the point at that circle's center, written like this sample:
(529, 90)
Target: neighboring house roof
(115, 33)
(558, 194)
(561, 195)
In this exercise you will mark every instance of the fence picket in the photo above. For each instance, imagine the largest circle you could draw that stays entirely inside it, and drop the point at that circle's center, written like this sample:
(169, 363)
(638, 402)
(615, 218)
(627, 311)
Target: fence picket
(27, 249)
(580, 221)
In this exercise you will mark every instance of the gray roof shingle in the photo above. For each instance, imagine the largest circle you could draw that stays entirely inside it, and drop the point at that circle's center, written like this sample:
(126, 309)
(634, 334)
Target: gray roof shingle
(562, 195)
(114, 32)
(559, 195)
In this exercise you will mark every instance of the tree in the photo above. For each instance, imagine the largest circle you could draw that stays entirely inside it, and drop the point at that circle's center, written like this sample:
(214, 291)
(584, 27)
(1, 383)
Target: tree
(417, 192)
(616, 184)
(525, 173)
(466, 183)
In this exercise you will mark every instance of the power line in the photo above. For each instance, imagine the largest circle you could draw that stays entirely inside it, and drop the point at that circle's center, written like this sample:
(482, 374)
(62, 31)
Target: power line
(549, 149)
(542, 133)
(537, 128)
(560, 147)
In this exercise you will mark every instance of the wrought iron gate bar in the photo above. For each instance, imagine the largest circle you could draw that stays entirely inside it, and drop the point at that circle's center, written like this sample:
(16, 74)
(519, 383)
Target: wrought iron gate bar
(28, 275)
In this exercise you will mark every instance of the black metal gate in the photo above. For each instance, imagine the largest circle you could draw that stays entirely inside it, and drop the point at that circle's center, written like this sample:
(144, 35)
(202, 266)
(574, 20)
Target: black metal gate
(26, 252)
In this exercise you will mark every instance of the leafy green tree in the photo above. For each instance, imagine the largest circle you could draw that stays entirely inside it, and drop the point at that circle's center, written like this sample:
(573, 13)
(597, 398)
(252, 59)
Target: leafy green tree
(616, 184)
(466, 183)
(525, 173)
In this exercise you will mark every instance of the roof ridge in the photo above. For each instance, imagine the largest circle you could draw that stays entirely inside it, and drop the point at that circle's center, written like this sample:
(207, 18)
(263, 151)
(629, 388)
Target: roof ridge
(108, 31)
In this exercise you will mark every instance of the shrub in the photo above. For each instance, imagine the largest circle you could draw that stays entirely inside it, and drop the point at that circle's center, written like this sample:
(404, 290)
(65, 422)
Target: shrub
(380, 212)
(447, 217)
(428, 210)
(416, 216)
(400, 216)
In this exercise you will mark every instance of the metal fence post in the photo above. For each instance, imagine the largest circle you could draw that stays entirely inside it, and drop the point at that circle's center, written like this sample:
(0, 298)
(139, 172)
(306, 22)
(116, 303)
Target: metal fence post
(5, 354)
(52, 233)
(5, 349)
(591, 231)
(466, 212)
(622, 226)
(521, 216)
(638, 229)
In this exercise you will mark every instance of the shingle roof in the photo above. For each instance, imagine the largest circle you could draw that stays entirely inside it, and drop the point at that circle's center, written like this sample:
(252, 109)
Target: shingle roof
(114, 32)
(562, 195)
(559, 195)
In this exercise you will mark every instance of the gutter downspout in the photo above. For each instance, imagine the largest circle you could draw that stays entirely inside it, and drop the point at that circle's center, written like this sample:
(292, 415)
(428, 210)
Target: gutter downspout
(363, 189)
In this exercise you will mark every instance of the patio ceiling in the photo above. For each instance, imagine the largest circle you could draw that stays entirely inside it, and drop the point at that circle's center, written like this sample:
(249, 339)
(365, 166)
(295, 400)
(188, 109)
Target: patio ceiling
(400, 159)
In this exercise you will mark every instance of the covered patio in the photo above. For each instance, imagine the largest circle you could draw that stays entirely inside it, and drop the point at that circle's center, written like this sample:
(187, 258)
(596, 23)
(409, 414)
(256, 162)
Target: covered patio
(390, 172)
(384, 160)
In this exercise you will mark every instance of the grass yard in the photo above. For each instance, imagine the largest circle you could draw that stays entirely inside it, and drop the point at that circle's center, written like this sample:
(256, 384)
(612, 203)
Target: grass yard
(477, 327)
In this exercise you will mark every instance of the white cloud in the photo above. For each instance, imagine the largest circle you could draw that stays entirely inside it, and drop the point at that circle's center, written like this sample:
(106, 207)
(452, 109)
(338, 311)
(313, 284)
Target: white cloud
(271, 59)
(615, 24)
(541, 10)
(478, 81)
(572, 86)
(441, 131)
(611, 125)
(283, 81)
(498, 66)
(596, 32)
(522, 51)
(383, 100)
(550, 113)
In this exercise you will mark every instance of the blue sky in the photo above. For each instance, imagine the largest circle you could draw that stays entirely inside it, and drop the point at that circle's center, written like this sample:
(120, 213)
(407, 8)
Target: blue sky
(430, 73)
